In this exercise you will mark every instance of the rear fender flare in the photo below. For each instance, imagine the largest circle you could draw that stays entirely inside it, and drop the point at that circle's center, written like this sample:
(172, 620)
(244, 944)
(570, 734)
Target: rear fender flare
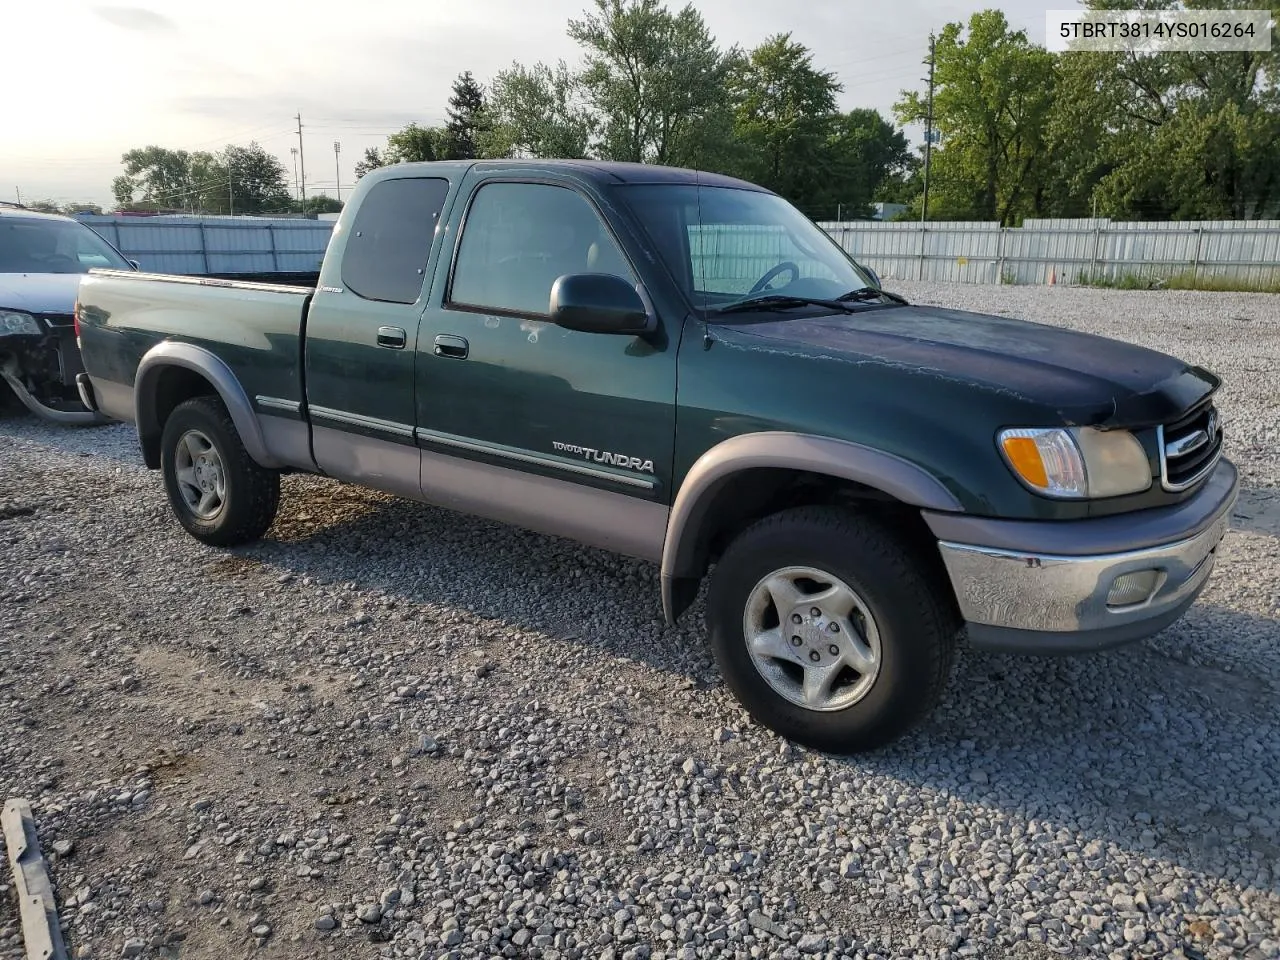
(199, 360)
(682, 559)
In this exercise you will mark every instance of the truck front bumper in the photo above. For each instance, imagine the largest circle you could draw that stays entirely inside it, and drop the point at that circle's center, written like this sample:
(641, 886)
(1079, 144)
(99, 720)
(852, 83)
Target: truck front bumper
(1075, 586)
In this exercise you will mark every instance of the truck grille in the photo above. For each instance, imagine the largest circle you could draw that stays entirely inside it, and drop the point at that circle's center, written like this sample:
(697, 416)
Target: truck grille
(1190, 448)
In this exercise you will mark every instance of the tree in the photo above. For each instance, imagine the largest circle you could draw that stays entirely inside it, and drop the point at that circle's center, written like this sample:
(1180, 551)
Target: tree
(371, 160)
(656, 80)
(43, 206)
(162, 176)
(258, 181)
(416, 144)
(866, 159)
(1185, 135)
(992, 105)
(467, 119)
(317, 203)
(785, 115)
(239, 179)
(536, 112)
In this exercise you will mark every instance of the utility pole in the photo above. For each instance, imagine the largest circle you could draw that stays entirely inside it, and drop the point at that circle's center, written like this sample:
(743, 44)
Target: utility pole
(337, 170)
(294, 151)
(231, 194)
(928, 135)
(302, 159)
(18, 191)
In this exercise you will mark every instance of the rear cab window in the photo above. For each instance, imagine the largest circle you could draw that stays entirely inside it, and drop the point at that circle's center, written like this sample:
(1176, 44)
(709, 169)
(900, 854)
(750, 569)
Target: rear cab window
(386, 255)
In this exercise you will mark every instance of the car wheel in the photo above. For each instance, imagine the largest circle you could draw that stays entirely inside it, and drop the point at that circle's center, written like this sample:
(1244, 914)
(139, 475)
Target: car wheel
(217, 492)
(829, 629)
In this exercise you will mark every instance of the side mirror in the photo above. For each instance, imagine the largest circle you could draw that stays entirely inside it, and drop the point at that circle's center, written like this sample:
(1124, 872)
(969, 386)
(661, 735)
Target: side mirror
(135, 264)
(598, 303)
(875, 277)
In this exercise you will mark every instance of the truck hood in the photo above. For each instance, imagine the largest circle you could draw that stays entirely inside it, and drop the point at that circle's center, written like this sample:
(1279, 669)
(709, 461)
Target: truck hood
(39, 292)
(1082, 378)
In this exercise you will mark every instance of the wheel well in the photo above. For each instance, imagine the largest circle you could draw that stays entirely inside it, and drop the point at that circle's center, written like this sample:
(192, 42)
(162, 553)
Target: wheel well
(174, 385)
(752, 495)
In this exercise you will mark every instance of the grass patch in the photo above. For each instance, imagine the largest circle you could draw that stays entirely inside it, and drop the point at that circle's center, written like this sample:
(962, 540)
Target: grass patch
(1186, 280)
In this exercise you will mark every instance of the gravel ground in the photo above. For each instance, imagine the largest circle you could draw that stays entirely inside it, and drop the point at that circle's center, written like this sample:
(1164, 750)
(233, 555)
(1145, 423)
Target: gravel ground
(387, 731)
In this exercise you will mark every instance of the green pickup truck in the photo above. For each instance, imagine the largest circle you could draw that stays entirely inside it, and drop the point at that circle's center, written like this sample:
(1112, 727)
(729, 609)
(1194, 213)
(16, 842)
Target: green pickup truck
(681, 367)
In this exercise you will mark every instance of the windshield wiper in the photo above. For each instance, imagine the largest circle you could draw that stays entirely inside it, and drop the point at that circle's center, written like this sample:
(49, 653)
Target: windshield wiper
(779, 301)
(869, 293)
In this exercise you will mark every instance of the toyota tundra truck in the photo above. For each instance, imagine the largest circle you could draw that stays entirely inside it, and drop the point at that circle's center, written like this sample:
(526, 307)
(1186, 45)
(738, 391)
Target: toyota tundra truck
(681, 367)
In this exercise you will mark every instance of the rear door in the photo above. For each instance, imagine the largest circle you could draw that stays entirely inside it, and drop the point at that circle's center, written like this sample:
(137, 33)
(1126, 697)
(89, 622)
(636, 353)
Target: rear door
(361, 337)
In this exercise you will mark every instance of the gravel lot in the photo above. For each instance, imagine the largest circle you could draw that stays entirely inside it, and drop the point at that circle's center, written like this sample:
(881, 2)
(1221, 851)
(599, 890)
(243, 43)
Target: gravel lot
(387, 731)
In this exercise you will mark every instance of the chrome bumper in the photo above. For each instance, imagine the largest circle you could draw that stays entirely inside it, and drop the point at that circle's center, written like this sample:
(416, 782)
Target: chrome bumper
(1051, 602)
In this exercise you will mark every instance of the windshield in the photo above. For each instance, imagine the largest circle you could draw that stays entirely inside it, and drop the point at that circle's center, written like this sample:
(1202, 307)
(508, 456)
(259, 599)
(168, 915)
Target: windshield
(726, 244)
(53, 246)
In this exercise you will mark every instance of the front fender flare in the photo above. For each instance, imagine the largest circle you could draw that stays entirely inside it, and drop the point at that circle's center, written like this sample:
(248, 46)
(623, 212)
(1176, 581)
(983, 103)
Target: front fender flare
(172, 353)
(886, 472)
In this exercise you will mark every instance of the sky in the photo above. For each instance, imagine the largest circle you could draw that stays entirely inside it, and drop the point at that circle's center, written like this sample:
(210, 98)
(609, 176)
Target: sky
(87, 81)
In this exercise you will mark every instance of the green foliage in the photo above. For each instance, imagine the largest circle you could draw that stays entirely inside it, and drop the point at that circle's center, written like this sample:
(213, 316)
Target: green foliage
(467, 120)
(317, 203)
(653, 86)
(785, 116)
(371, 160)
(865, 159)
(243, 179)
(1183, 280)
(991, 107)
(257, 179)
(416, 144)
(1124, 135)
(656, 80)
(537, 112)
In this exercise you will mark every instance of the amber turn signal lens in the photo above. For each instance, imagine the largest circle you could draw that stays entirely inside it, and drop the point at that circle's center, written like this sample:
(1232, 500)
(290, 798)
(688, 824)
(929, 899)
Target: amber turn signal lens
(1024, 457)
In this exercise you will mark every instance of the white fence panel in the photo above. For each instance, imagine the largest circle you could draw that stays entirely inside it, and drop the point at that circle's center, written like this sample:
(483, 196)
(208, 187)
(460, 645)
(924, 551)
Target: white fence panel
(1065, 250)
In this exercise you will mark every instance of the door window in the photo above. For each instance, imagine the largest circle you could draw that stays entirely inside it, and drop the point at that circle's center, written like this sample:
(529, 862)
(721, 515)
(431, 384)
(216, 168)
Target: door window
(519, 237)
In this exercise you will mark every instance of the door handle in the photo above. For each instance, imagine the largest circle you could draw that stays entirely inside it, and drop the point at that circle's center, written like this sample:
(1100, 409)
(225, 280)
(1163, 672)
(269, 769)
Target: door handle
(447, 345)
(391, 337)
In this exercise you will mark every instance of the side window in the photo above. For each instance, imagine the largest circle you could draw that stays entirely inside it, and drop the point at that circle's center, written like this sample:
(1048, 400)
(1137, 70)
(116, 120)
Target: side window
(519, 237)
(386, 253)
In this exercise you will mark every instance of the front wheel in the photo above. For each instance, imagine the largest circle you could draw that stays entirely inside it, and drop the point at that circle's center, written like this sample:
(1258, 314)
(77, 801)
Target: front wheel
(829, 630)
(217, 492)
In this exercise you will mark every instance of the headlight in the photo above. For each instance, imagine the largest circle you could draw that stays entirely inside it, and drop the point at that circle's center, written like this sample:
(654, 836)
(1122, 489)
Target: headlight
(1077, 463)
(15, 322)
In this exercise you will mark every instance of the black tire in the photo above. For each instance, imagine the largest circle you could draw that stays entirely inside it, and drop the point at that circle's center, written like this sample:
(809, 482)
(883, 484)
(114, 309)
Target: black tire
(251, 493)
(912, 610)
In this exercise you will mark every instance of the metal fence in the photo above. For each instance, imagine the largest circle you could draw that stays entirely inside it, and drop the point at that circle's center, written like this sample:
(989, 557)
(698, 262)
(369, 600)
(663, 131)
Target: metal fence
(1040, 251)
(204, 245)
(1066, 251)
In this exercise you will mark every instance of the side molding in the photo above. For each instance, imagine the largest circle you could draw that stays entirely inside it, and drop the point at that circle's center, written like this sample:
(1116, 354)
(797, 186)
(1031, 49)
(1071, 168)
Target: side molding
(170, 353)
(681, 561)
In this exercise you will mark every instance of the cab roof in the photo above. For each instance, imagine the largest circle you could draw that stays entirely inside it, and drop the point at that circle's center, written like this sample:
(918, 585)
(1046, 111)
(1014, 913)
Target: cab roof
(9, 210)
(600, 171)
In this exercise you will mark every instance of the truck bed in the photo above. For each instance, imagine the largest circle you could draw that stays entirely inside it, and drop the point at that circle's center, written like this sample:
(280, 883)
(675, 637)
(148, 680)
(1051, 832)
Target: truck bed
(252, 326)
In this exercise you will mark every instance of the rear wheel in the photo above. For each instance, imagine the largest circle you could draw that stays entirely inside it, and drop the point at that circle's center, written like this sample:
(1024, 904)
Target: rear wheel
(217, 492)
(829, 630)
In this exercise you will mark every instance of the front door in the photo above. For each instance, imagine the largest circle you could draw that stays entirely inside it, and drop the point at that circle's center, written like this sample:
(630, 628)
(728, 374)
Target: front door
(361, 338)
(581, 424)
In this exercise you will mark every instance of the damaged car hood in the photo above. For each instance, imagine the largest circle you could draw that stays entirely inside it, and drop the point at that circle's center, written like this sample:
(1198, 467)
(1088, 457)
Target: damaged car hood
(39, 292)
(1086, 379)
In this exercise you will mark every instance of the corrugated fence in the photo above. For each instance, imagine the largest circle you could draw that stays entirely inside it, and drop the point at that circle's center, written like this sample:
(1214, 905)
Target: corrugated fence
(203, 245)
(1065, 251)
